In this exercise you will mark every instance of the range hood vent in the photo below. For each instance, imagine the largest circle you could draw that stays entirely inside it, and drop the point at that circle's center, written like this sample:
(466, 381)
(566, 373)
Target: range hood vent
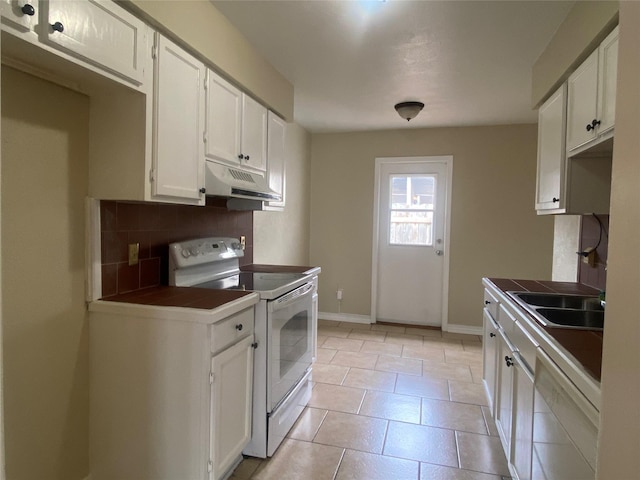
(225, 181)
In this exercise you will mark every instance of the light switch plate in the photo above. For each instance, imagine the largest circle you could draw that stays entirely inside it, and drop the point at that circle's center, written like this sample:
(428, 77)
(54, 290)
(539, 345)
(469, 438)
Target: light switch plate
(243, 241)
(134, 251)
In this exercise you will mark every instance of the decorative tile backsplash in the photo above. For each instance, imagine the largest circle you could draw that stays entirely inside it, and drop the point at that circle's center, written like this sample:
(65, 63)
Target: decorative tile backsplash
(595, 276)
(154, 226)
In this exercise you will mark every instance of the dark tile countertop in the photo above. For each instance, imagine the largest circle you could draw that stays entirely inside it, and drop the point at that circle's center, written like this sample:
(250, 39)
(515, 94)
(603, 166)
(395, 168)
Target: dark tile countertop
(190, 297)
(584, 345)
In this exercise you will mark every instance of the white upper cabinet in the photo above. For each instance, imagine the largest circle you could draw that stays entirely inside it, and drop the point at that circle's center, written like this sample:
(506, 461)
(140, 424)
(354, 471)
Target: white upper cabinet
(236, 126)
(21, 15)
(99, 32)
(178, 145)
(224, 112)
(276, 171)
(591, 95)
(551, 152)
(254, 134)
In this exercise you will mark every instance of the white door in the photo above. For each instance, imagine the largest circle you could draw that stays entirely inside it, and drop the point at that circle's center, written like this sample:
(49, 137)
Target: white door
(410, 241)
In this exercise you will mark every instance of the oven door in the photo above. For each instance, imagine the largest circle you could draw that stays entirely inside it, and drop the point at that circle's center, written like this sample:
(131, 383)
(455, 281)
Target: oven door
(290, 341)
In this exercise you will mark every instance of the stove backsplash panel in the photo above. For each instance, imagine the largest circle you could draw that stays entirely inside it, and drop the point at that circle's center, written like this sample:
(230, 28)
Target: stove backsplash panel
(154, 226)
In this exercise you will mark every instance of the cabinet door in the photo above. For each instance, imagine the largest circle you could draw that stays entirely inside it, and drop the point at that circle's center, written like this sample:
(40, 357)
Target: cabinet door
(581, 102)
(231, 402)
(254, 134)
(504, 392)
(19, 14)
(99, 32)
(490, 358)
(276, 159)
(521, 453)
(178, 124)
(223, 120)
(551, 152)
(608, 71)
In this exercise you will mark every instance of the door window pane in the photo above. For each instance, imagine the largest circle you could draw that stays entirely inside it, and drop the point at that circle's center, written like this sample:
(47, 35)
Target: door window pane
(411, 209)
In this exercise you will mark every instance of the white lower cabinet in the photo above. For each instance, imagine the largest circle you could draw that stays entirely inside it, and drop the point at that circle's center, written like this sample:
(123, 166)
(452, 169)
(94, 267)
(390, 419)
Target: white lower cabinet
(490, 356)
(171, 391)
(231, 395)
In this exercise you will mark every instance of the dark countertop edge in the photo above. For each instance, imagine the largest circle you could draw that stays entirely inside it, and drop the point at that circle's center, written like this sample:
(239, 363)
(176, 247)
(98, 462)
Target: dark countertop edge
(265, 268)
(188, 297)
(590, 362)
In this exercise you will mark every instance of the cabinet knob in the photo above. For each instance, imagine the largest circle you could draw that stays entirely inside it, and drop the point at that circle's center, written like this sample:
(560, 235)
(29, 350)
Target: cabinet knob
(492, 334)
(487, 302)
(241, 156)
(592, 126)
(246, 157)
(203, 190)
(239, 327)
(508, 360)
(555, 200)
(57, 27)
(254, 345)
(28, 9)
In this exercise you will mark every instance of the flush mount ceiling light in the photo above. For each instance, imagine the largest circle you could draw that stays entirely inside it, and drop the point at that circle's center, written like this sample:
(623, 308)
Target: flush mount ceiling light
(409, 110)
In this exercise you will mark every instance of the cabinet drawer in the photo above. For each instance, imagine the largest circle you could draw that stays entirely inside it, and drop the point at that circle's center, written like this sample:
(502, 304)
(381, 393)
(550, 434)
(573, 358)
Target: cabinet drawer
(491, 303)
(506, 320)
(231, 329)
(524, 344)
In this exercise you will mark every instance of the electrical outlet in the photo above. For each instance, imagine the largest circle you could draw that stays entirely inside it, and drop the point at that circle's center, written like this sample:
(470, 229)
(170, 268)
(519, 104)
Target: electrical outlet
(134, 251)
(339, 294)
(243, 241)
(589, 256)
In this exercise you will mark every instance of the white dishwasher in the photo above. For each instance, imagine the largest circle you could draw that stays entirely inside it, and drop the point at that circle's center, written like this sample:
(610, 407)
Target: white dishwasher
(565, 426)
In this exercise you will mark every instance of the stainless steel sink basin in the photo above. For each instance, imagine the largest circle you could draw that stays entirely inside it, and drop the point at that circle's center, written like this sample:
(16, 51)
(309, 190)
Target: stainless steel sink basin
(578, 302)
(582, 312)
(587, 319)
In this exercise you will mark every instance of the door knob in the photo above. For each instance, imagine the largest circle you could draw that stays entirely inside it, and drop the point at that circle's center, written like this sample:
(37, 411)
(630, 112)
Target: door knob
(439, 252)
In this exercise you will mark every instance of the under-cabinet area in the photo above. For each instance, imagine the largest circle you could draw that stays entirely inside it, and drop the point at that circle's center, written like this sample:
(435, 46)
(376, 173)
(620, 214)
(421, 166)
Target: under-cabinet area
(543, 381)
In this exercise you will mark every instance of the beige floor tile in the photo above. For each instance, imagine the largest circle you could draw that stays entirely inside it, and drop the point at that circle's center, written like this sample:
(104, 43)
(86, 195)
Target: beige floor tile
(336, 397)
(328, 323)
(419, 442)
(446, 370)
(425, 332)
(466, 392)
(295, 460)
(360, 466)
(404, 339)
(387, 328)
(246, 469)
(481, 453)
(452, 415)
(432, 354)
(356, 326)
(410, 366)
(333, 332)
(489, 421)
(460, 336)
(325, 355)
(476, 373)
(334, 374)
(343, 344)
(379, 348)
(426, 387)
(367, 335)
(443, 343)
(463, 358)
(391, 406)
(320, 340)
(369, 379)
(356, 432)
(308, 424)
(355, 359)
(438, 472)
(470, 346)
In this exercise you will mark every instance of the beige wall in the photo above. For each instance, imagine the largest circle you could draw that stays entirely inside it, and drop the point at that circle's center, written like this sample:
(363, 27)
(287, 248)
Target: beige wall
(494, 228)
(46, 350)
(199, 25)
(582, 30)
(619, 447)
(282, 237)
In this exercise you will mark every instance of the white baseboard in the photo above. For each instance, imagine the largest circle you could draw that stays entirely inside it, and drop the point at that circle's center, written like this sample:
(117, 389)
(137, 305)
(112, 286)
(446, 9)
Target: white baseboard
(344, 317)
(466, 329)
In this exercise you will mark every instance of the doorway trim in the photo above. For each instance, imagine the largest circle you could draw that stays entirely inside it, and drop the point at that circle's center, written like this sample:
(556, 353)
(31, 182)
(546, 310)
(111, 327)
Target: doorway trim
(448, 161)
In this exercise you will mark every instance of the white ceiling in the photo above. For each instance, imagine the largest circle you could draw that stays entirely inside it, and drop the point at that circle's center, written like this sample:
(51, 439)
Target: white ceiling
(351, 61)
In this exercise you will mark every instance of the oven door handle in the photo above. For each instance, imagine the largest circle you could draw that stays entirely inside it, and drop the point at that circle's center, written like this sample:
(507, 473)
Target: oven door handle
(291, 297)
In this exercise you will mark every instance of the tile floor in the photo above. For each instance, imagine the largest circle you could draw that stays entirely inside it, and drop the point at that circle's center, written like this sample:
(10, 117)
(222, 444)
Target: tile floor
(390, 403)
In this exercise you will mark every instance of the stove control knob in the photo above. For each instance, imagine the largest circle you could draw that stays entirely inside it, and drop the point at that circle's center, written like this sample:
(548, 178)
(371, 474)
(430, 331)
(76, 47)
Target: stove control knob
(194, 251)
(185, 253)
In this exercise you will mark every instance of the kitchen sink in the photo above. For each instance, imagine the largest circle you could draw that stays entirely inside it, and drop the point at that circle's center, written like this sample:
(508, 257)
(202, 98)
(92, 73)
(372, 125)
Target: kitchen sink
(578, 302)
(558, 310)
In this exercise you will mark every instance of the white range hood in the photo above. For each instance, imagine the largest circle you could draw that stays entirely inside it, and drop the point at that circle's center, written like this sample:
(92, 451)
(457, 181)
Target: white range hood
(225, 181)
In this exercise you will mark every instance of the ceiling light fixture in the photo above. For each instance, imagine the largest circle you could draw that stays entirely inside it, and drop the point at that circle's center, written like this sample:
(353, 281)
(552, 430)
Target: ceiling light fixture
(409, 110)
